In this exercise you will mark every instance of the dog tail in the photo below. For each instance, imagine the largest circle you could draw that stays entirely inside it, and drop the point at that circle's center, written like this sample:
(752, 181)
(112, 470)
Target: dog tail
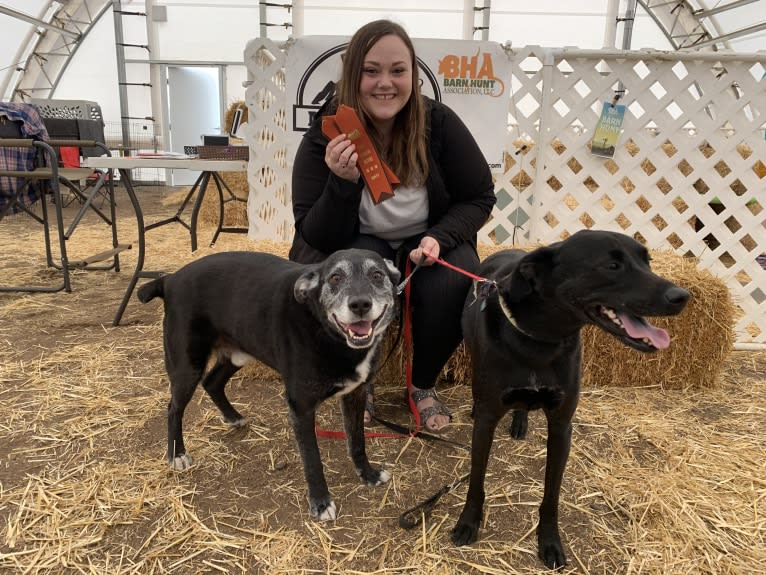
(151, 290)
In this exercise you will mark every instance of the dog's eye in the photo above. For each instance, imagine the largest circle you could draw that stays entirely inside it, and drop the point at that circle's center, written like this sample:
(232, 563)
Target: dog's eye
(377, 276)
(335, 279)
(614, 266)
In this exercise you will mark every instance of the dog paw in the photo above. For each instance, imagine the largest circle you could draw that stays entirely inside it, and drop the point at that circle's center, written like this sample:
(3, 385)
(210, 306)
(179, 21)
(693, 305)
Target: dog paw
(374, 477)
(553, 556)
(323, 511)
(236, 423)
(181, 462)
(383, 478)
(464, 534)
(550, 550)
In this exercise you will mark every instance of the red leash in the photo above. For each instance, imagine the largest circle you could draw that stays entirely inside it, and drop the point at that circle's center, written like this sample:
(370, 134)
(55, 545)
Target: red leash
(483, 286)
(408, 376)
(367, 434)
(408, 348)
(458, 270)
(407, 343)
(407, 370)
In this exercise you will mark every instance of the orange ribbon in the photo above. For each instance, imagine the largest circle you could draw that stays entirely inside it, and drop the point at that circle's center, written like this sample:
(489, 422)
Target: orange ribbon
(380, 179)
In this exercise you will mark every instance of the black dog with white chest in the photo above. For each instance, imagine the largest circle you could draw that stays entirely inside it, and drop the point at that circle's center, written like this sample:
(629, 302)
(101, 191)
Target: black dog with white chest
(524, 341)
(320, 326)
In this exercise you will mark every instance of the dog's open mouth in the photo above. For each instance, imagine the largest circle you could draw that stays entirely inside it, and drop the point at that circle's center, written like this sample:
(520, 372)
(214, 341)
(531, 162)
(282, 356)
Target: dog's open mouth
(633, 330)
(359, 333)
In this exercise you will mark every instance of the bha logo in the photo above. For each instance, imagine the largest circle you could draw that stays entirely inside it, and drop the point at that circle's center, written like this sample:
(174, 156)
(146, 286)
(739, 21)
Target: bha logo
(472, 75)
(318, 82)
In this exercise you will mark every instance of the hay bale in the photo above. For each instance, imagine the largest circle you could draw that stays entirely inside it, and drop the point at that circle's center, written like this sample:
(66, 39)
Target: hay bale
(702, 337)
(235, 212)
(257, 370)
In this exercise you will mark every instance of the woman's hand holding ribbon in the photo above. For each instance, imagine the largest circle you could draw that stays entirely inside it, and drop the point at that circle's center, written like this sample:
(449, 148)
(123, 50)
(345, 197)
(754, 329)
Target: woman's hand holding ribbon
(341, 157)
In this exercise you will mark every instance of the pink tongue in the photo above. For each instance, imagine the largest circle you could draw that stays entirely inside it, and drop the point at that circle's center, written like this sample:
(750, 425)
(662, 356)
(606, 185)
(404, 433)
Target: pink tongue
(360, 328)
(638, 330)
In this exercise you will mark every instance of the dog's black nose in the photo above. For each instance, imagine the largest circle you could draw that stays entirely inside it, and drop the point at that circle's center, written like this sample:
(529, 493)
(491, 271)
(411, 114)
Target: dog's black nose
(360, 305)
(677, 296)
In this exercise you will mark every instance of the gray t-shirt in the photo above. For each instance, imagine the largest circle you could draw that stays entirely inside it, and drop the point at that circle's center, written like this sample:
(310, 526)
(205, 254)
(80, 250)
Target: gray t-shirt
(395, 219)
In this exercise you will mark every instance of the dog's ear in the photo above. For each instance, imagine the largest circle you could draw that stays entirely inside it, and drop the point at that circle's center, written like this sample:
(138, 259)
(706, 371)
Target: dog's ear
(305, 284)
(528, 275)
(393, 272)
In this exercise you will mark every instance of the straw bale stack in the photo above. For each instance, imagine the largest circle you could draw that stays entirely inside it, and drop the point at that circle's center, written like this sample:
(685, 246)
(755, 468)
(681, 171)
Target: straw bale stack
(257, 370)
(235, 213)
(702, 337)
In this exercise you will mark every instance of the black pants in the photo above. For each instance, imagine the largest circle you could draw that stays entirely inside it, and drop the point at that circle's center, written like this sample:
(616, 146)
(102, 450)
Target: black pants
(437, 295)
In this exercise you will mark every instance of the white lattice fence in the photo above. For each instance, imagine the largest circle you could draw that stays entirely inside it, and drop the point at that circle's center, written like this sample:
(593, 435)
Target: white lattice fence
(688, 174)
(269, 210)
(510, 222)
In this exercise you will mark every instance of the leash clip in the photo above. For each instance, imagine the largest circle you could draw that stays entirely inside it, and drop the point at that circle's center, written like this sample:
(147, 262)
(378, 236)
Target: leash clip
(405, 281)
(482, 289)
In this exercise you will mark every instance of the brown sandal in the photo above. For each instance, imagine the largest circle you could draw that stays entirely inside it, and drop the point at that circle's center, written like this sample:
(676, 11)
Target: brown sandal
(438, 408)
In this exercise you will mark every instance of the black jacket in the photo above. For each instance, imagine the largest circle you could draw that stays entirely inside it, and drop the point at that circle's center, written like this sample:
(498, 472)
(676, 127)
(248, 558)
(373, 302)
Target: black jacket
(326, 207)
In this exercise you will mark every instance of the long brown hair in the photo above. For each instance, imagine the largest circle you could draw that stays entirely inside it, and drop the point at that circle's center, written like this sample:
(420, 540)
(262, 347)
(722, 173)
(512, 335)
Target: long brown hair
(407, 155)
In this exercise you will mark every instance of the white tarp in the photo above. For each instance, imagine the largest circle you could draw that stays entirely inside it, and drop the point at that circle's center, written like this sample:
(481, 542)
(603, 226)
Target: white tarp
(469, 76)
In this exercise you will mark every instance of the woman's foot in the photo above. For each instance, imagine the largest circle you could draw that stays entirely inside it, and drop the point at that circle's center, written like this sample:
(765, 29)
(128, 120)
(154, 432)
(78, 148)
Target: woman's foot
(434, 415)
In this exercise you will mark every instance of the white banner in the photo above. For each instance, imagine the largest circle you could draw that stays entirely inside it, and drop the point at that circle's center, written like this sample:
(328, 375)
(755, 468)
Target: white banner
(471, 77)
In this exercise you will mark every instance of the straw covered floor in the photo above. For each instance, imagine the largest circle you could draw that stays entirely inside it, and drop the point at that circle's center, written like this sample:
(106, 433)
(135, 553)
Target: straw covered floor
(662, 479)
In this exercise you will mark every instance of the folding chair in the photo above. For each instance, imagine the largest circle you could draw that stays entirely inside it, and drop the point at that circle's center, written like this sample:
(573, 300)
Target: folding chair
(29, 179)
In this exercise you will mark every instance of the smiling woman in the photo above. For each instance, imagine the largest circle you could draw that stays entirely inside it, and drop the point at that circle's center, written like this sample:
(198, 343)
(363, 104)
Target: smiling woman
(386, 84)
(445, 196)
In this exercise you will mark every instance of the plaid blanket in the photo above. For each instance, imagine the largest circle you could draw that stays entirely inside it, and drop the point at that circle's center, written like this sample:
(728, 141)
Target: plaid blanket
(32, 126)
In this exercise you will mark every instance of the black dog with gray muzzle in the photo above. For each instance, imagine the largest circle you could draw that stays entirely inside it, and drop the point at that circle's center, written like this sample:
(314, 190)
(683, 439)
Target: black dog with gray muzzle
(320, 326)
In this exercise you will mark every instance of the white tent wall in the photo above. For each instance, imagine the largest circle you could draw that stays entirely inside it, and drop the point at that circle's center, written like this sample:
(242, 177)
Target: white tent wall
(16, 41)
(558, 24)
(192, 33)
(208, 32)
(186, 34)
(95, 79)
(551, 23)
(218, 31)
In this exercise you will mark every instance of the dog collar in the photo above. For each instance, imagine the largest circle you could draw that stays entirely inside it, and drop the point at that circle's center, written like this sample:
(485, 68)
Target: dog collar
(509, 315)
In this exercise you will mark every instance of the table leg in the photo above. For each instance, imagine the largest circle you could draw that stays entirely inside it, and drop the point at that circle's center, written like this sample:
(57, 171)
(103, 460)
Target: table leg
(205, 179)
(113, 216)
(125, 176)
(221, 185)
(177, 216)
(221, 204)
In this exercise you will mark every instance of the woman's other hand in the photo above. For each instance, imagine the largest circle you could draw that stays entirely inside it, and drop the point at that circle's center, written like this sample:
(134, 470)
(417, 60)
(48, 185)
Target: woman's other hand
(429, 248)
(341, 157)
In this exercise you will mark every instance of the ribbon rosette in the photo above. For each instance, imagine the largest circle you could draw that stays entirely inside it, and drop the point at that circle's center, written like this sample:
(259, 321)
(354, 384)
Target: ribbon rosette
(380, 179)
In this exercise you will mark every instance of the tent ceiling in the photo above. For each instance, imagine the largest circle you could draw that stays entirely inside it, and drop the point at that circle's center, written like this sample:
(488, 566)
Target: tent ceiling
(60, 27)
(50, 44)
(692, 28)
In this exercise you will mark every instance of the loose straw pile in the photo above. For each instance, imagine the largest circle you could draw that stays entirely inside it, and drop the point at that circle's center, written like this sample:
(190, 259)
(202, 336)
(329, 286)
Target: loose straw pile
(662, 479)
